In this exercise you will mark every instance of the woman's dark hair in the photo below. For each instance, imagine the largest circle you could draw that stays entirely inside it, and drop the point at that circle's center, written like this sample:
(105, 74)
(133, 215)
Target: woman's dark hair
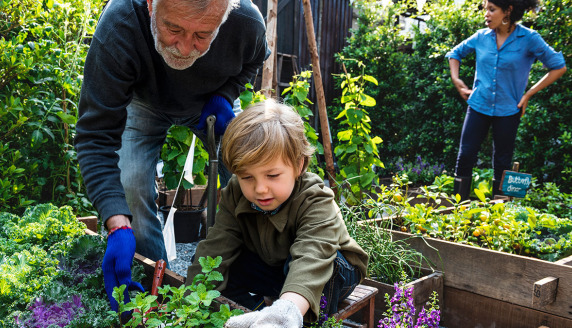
(518, 7)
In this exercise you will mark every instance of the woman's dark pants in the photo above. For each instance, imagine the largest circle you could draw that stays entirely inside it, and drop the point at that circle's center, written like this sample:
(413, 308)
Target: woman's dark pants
(475, 129)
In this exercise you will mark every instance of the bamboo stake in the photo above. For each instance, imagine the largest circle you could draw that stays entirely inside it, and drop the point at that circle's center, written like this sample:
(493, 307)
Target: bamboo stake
(320, 94)
(270, 63)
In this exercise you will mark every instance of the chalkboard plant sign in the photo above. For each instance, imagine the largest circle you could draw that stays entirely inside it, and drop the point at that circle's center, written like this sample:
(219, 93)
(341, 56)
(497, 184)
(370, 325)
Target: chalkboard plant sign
(515, 184)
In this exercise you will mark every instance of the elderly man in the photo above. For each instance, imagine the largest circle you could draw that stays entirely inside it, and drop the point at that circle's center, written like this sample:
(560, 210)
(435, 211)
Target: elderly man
(153, 64)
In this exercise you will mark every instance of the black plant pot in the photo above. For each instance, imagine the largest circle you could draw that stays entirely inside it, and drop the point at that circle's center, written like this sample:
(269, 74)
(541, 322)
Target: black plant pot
(190, 223)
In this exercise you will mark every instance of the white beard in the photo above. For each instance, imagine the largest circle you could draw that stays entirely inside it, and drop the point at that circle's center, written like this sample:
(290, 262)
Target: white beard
(171, 55)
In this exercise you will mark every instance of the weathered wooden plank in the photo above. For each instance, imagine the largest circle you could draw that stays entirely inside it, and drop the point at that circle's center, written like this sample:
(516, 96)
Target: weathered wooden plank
(90, 222)
(465, 309)
(565, 261)
(544, 292)
(494, 274)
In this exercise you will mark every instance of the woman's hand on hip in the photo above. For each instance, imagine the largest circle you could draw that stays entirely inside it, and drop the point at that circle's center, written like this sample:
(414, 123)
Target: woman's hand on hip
(462, 88)
(522, 104)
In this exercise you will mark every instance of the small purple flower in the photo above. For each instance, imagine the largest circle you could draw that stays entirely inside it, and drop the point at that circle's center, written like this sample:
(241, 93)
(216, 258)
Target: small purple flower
(402, 310)
(323, 315)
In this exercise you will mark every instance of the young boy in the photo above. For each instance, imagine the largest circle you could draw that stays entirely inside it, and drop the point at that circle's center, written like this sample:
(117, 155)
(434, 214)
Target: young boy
(278, 228)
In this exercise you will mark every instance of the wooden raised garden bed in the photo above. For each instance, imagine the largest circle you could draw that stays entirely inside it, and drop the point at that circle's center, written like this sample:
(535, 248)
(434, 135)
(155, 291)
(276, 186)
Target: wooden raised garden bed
(485, 288)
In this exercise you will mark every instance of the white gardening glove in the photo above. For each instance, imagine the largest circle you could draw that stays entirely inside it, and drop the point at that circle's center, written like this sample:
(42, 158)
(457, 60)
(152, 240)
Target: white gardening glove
(281, 314)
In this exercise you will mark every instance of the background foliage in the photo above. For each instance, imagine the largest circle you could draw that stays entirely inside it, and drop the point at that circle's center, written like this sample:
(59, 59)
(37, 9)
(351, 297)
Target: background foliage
(42, 51)
(419, 112)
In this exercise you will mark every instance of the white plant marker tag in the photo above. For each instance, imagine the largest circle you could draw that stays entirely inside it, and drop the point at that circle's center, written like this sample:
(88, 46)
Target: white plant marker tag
(169, 235)
(188, 169)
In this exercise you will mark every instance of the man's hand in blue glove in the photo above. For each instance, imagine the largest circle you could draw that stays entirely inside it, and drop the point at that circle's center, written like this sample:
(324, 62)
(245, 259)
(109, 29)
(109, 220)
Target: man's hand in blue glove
(117, 264)
(219, 107)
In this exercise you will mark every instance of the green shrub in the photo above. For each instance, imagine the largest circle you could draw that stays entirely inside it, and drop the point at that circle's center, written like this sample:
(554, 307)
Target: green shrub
(42, 53)
(418, 110)
(544, 141)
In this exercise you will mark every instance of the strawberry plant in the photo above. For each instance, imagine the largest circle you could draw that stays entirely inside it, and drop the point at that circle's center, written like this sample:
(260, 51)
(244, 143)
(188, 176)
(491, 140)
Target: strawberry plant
(184, 306)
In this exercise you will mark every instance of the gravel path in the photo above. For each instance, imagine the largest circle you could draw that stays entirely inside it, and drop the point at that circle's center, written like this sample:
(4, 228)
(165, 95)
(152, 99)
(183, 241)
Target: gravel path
(184, 253)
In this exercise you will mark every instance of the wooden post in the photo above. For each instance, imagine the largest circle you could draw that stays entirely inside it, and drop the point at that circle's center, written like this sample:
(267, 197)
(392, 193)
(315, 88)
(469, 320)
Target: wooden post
(320, 94)
(270, 63)
(544, 292)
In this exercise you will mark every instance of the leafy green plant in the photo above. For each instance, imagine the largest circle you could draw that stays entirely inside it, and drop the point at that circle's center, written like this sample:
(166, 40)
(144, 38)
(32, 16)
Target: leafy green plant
(357, 151)
(185, 306)
(43, 46)
(296, 95)
(48, 264)
(506, 227)
(249, 96)
(548, 197)
(174, 155)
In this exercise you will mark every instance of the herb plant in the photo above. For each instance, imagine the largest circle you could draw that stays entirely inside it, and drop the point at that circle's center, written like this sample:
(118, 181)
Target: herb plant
(185, 306)
(388, 258)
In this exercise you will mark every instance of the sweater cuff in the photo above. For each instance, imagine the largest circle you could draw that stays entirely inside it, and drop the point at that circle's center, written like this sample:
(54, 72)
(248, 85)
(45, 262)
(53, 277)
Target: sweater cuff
(110, 206)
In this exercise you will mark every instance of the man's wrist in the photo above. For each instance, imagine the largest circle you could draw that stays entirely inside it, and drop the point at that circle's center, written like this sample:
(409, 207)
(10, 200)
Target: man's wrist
(117, 221)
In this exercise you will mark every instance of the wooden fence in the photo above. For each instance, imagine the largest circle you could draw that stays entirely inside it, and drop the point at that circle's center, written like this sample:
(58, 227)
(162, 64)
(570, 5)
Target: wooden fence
(332, 22)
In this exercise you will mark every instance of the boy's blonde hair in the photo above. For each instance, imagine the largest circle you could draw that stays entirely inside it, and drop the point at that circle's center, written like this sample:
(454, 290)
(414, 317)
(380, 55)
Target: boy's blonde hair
(263, 132)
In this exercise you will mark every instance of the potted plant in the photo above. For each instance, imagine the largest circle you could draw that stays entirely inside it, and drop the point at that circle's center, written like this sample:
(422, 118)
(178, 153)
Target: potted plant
(190, 217)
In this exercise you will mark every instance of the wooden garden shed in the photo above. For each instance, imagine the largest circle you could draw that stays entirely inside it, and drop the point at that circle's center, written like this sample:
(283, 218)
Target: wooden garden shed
(332, 23)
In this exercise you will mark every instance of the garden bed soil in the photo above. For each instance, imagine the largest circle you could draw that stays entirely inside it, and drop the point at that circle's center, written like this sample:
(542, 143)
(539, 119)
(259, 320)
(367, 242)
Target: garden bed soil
(486, 288)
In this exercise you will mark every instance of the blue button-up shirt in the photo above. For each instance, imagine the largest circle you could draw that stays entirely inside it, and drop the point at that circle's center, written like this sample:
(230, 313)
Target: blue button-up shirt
(502, 74)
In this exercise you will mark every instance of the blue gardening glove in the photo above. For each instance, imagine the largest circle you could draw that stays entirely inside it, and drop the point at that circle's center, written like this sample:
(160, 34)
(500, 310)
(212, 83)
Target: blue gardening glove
(219, 107)
(117, 265)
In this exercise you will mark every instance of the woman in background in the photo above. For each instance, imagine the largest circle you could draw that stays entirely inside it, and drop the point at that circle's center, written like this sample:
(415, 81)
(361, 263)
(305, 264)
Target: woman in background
(505, 52)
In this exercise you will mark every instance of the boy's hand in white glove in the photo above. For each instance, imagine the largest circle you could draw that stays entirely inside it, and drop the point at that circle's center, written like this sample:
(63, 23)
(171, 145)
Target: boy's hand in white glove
(281, 314)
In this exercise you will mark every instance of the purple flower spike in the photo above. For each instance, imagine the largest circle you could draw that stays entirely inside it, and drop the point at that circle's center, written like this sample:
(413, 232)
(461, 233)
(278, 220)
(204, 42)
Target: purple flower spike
(402, 310)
